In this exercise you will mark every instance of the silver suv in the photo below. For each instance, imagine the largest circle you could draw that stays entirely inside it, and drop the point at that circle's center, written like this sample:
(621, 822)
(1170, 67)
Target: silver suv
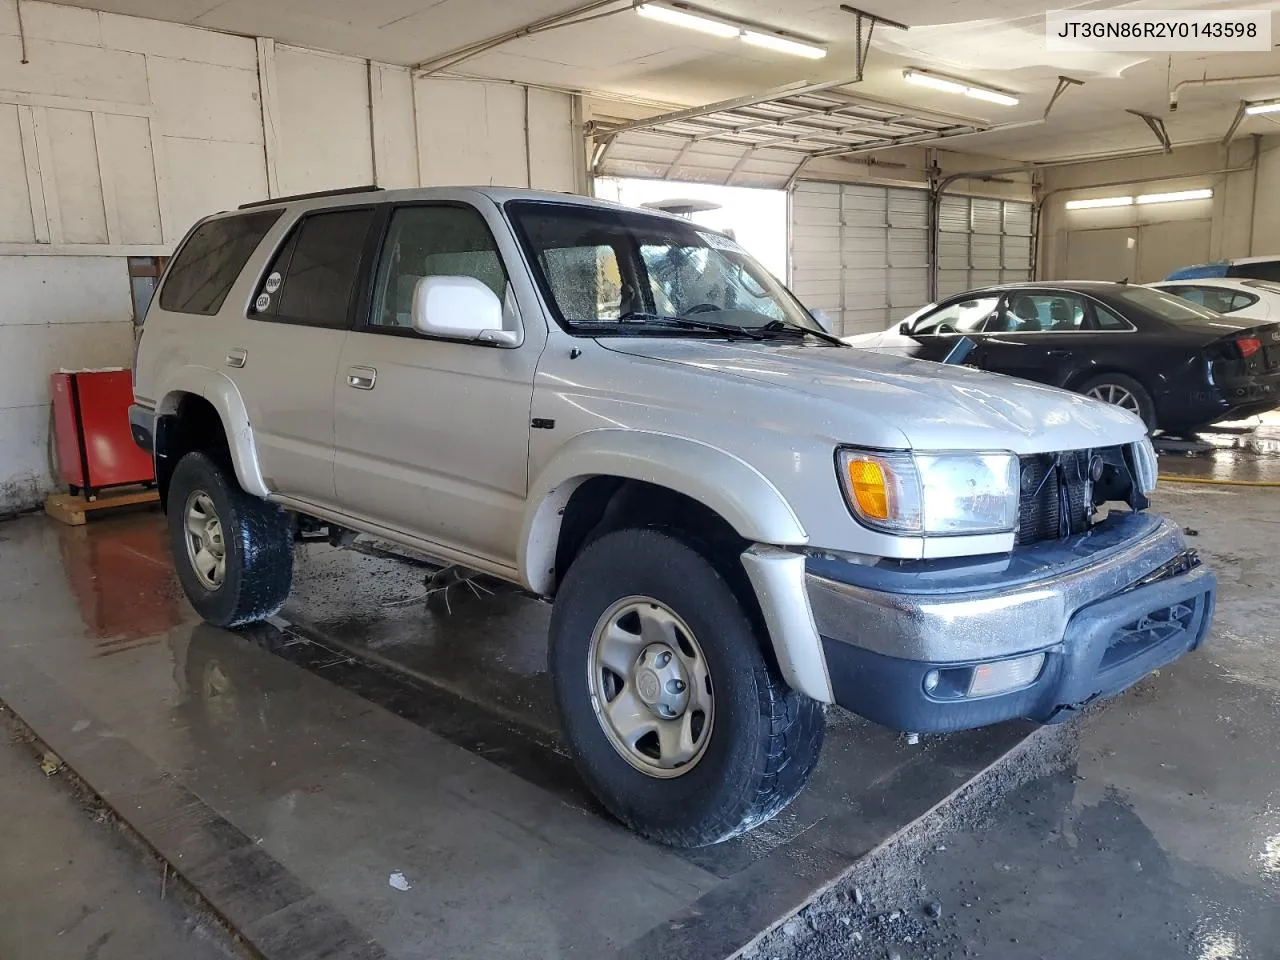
(739, 519)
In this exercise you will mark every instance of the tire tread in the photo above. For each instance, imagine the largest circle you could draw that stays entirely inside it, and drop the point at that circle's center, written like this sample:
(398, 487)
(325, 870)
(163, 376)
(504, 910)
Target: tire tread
(264, 541)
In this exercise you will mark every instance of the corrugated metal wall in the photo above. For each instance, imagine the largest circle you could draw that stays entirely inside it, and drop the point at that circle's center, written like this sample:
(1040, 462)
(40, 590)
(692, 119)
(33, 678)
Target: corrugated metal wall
(982, 242)
(860, 252)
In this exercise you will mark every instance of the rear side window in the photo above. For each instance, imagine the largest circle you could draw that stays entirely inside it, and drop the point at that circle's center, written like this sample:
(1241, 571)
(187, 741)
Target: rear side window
(1262, 270)
(314, 274)
(1217, 299)
(206, 267)
(1164, 305)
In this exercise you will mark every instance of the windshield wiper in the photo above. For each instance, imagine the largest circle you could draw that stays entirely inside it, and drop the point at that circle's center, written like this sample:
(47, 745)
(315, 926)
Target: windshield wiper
(685, 323)
(778, 326)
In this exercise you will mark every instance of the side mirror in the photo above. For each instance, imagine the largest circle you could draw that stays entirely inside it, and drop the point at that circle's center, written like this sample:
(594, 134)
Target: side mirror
(821, 318)
(460, 308)
(904, 328)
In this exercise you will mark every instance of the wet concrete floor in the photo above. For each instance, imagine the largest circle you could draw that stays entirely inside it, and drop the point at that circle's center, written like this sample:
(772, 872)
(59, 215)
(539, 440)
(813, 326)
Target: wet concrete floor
(72, 886)
(372, 776)
(1160, 838)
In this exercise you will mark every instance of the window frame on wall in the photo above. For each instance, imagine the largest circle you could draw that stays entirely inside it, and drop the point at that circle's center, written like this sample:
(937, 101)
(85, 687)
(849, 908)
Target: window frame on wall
(143, 269)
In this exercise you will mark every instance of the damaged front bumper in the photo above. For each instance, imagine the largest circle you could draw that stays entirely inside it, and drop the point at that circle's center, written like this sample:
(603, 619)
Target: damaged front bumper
(949, 645)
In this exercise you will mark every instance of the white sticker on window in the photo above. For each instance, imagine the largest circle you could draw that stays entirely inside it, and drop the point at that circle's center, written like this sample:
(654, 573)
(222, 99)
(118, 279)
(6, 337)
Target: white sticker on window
(263, 301)
(718, 241)
(273, 283)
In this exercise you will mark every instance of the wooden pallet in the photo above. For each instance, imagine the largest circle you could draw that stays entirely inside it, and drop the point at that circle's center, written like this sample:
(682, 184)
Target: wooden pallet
(75, 511)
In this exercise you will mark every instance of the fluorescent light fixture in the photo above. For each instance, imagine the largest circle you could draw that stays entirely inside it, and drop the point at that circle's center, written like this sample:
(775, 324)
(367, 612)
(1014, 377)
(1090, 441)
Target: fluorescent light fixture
(1204, 194)
(691, 21)
(936, 82)
(929, 80)
(993, 96)
(680, 16)
(1262, 106)
(772, 41)
(1099, 202)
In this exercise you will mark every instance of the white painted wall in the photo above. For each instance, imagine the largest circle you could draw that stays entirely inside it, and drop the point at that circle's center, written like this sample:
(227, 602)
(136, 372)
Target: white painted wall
(1144, 243)
(120, 132)
(54, 312)
(471, 132)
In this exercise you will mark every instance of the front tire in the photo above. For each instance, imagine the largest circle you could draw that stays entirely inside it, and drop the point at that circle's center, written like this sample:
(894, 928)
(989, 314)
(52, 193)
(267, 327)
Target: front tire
(676, 719)
(233, 551)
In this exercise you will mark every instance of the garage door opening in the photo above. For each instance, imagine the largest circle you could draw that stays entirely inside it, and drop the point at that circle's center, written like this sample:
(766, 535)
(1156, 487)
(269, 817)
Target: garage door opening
(756, 218)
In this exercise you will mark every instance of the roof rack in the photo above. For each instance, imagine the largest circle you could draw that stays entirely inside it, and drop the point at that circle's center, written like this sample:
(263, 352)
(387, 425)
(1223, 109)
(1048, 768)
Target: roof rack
(370, 188)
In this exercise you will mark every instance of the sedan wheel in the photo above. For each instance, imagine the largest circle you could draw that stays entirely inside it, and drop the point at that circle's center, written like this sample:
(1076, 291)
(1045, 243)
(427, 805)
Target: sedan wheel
(1122, 391)
(1114, 393)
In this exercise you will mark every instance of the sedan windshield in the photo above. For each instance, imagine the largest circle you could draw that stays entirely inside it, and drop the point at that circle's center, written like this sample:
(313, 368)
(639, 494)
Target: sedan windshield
(610, 271)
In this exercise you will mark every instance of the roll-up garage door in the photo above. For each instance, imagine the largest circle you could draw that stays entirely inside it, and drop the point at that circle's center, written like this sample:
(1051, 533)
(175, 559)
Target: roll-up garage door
(859, 252)
(982, 242)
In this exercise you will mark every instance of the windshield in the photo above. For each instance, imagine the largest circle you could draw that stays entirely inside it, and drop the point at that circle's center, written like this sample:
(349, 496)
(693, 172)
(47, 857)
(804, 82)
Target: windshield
(611, 270)
(1166, 306)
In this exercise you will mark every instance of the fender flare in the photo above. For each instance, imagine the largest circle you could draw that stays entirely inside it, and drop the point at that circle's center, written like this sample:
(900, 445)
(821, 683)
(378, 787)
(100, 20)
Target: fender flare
(225, 397)
(731, 487)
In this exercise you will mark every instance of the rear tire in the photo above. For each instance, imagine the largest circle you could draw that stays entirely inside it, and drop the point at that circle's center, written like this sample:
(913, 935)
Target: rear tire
(233, 551)
(1124, 392)
(757, 741)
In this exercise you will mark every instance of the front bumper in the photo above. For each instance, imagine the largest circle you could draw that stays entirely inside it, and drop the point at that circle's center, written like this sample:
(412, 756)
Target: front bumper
(1104, 608)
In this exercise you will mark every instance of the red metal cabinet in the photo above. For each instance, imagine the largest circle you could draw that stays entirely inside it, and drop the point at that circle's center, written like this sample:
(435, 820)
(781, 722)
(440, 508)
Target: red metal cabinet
(91, 431)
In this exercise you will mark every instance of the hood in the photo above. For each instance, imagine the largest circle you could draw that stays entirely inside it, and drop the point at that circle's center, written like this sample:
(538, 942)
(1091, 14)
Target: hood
(935, 406)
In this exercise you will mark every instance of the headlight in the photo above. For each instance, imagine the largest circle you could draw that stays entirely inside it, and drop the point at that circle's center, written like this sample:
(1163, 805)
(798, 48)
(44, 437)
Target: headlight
(943, 494)
(1146, 466)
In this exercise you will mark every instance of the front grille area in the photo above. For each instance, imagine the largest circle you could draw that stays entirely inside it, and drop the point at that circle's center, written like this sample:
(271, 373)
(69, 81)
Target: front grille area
(1055, 497)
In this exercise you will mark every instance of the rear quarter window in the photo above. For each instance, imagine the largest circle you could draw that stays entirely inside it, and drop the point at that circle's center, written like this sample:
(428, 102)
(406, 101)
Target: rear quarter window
(1262, 270)
(208, 263)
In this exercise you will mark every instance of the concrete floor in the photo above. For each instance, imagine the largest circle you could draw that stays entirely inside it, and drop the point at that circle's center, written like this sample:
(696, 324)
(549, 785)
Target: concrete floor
(369, 777)
(71, 885)
(1160, 838)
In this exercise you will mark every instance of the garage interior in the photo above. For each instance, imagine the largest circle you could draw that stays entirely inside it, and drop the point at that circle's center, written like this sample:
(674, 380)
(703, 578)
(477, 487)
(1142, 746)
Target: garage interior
(377, 772)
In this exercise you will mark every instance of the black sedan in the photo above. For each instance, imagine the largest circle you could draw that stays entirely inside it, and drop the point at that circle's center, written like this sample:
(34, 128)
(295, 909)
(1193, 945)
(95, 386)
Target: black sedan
(1176, 365)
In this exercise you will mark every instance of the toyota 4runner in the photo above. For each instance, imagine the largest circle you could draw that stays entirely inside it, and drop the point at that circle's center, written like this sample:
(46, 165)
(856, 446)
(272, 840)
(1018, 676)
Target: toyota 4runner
(739, 519)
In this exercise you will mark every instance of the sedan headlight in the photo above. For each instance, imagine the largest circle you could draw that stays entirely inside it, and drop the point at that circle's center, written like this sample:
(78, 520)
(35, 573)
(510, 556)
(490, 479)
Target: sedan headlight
(940, 494)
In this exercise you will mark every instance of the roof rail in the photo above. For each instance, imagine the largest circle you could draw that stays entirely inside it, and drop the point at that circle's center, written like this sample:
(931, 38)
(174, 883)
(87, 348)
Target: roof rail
(370, 188)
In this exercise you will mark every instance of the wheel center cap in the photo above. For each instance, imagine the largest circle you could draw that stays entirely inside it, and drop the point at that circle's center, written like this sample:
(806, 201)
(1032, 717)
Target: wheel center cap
(648, 686)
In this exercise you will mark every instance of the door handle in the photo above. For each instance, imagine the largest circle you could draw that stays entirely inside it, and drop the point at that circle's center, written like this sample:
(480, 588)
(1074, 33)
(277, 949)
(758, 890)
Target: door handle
(362, 378)
(1060, 353)
(237, 357)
